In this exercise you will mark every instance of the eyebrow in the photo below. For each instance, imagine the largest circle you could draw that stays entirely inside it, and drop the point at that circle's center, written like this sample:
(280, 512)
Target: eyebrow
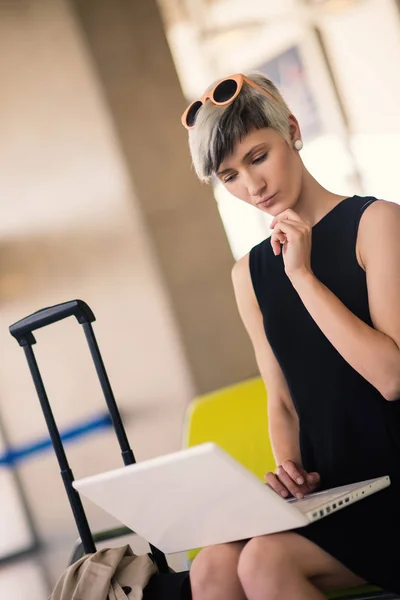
(245, 157)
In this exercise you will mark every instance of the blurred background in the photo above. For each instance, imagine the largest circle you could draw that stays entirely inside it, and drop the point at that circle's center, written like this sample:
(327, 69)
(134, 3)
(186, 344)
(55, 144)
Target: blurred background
(98, 201)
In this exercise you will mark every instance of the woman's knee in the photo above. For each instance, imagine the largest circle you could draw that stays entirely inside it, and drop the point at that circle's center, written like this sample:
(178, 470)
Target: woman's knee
(266, 562)
(214, 565)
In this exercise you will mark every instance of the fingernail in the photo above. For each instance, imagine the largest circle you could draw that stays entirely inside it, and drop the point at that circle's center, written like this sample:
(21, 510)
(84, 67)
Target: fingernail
(299, 496)
(300, 480)
(284, 493)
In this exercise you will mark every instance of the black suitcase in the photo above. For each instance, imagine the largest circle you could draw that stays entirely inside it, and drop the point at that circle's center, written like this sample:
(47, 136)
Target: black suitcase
(163, 585)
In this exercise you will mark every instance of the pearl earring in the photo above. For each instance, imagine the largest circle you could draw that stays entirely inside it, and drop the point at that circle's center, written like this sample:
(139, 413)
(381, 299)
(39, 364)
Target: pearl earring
(298, 144)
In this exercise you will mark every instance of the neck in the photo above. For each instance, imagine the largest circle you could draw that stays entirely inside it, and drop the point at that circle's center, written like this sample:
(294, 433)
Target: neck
(314, 201)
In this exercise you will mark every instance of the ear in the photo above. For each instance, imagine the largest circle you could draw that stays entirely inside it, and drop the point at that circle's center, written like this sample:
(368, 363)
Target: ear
(294, 129)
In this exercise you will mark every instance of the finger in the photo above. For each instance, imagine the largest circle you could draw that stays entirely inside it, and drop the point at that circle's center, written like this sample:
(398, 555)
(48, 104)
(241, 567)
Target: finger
(304, 484)
(277, 239)
(289, 483)
(272, 480)
(279, 236)
(284, 216)
(276, 244)
(291, 229)
(295, 224)
(313, 480)
(292, 226)
(287, 214)
(294, 472)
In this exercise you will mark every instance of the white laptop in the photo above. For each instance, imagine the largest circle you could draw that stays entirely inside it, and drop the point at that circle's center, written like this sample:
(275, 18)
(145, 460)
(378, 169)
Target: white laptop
(202, 496)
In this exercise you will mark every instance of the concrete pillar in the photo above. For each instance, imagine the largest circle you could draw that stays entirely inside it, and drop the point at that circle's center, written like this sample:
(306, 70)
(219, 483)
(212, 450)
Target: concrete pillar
(130, 53)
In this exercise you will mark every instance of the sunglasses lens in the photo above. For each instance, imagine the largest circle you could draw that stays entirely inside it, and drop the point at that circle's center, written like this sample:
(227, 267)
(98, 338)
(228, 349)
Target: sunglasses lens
(192, 113)
(225, 90)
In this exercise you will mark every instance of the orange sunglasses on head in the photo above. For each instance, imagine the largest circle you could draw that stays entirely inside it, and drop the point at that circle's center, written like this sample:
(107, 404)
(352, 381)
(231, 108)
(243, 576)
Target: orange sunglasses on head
(223, 93)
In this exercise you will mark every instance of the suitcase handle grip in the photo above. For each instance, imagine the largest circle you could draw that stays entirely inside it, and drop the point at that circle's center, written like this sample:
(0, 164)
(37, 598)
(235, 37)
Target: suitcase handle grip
(22, 330)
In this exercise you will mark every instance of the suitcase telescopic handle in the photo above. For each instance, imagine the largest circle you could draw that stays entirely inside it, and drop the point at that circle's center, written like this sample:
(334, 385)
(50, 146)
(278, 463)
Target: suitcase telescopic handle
(22, 330)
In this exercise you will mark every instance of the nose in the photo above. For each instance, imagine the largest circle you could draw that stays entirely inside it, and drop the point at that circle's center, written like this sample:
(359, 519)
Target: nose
(255, 185)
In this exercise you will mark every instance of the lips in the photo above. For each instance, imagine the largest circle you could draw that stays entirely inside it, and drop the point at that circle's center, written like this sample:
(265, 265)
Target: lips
(265, 202)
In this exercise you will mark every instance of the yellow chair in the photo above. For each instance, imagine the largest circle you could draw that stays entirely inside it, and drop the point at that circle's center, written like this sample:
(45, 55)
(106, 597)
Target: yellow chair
(236, 419)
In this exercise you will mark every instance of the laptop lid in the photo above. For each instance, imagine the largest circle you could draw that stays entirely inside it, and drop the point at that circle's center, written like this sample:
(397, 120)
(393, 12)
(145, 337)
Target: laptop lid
(195, 497)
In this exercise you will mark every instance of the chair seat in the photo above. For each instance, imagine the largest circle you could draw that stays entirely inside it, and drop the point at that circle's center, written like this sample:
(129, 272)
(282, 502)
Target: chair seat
(365, 592)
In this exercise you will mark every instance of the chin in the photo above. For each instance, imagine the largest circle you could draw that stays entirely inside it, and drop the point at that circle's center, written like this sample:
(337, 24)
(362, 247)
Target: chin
(279, 207)
(275, 210)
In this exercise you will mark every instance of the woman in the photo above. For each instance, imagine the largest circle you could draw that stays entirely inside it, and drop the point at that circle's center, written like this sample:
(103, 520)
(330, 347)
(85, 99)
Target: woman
(320, 300)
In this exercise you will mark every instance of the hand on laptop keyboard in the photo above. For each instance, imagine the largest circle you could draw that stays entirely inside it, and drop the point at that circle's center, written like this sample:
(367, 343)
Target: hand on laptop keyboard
(291, 480)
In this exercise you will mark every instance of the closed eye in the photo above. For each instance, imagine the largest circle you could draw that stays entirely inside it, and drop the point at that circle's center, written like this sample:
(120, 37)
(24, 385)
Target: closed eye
(229, 178)
(256, 161)
(259, 159)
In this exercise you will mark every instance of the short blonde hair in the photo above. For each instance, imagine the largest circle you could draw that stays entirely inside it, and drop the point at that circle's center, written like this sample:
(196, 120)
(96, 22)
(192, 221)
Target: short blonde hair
(219, 128)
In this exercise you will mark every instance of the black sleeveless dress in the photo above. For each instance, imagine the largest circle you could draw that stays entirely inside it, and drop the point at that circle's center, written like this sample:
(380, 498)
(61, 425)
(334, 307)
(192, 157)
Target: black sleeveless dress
(348, 431)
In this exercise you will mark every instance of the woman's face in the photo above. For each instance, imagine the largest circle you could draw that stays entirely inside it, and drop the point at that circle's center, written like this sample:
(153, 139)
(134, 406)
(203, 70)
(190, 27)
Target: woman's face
(264, 171)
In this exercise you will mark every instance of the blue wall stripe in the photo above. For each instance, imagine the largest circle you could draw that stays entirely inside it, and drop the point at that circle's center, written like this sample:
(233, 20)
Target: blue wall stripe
(15, 455)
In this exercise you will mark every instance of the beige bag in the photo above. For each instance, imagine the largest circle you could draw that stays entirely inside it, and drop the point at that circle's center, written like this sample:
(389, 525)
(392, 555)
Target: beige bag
(104, 575)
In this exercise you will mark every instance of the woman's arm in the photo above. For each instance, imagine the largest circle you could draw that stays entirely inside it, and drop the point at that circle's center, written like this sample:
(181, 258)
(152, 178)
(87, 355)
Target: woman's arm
(283, 420)
(374, 353)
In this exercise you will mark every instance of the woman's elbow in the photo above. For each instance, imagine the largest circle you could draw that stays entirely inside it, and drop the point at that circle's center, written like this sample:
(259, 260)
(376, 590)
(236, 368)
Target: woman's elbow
(391, 391)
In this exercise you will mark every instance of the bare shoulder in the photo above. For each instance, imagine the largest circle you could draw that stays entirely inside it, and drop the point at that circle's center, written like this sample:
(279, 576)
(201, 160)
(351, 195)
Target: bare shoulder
(380, 213)
(379, 229)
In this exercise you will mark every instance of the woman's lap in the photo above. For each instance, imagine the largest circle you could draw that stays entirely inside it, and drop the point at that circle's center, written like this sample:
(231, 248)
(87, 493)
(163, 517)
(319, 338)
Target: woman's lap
(282, 552)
